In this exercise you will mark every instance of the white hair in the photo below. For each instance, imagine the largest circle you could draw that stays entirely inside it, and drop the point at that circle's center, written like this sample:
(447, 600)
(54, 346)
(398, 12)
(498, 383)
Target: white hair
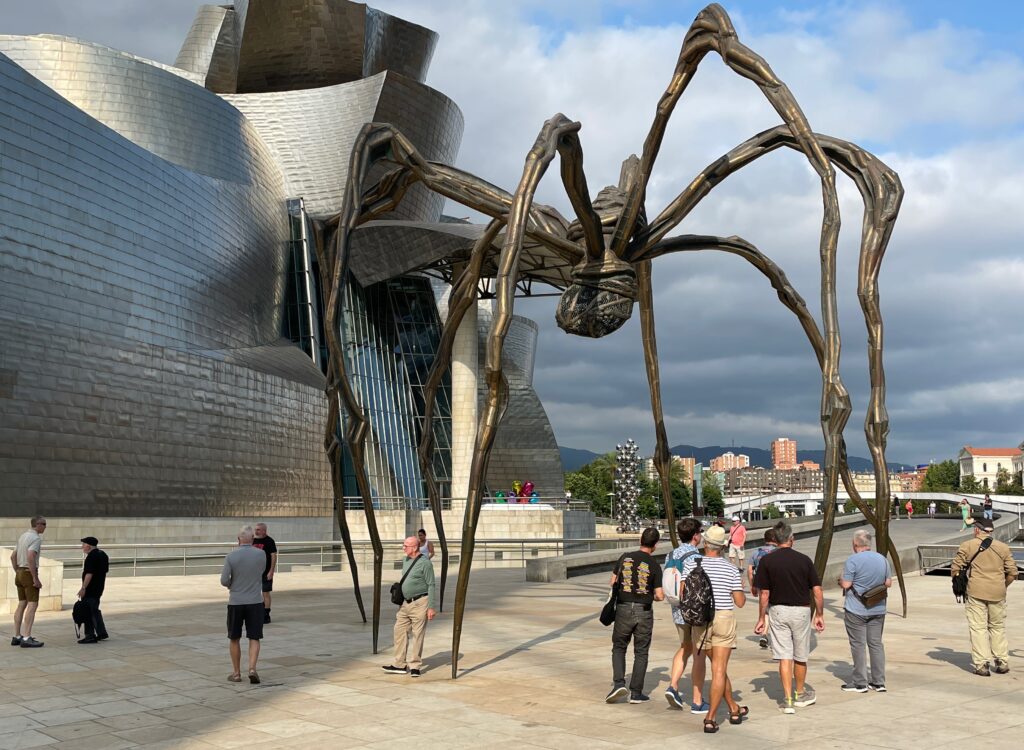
(246, 534)
(862, 538)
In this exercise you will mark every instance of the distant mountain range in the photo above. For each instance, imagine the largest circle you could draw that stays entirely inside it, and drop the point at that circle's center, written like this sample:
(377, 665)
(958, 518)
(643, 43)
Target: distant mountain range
(574, 458)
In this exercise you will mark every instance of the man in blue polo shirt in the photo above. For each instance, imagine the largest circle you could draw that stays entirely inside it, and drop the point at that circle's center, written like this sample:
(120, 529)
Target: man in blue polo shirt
(865, 569)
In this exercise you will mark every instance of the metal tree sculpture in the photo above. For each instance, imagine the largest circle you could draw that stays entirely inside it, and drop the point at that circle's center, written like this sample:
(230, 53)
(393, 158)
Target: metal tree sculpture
(610, 246)
(627, 486)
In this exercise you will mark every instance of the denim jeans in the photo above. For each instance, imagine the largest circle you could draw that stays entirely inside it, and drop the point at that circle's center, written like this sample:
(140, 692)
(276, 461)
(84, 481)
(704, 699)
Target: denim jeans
(987, 513)
(631, 621)
(865, 631)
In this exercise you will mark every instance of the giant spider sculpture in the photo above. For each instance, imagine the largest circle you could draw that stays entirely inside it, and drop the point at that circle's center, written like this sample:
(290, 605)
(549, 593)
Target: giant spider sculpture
(610, 246)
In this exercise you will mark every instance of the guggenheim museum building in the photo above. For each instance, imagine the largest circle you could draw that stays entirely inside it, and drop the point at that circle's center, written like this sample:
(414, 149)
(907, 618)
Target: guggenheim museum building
(162, 352)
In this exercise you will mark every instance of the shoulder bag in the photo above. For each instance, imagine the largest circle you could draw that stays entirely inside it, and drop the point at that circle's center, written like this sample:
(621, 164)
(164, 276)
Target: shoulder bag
(397, 597)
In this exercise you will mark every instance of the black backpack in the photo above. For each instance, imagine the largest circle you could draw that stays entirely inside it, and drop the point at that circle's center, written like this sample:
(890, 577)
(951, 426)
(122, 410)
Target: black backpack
(963, 575)
(697, 603)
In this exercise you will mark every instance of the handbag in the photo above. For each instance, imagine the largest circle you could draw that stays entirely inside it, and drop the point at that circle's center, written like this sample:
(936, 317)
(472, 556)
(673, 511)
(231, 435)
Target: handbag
(874, 595)
(397, 597)
(607, 616)
(960, 579)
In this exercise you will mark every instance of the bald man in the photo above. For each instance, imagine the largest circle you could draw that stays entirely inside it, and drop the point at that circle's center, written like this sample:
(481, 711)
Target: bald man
(419, 606)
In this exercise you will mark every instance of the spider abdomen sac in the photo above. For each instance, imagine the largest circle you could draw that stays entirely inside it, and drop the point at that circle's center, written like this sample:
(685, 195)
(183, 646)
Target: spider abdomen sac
(592, 312)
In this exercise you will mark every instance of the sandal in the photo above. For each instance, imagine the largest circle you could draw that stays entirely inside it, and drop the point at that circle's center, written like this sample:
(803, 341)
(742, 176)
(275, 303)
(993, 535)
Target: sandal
(710, 726)
(234, 678)
(253, 677)
(737, 718)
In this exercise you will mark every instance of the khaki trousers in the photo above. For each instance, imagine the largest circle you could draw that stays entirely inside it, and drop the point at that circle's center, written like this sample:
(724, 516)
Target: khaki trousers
(410, 628)
(987, 622)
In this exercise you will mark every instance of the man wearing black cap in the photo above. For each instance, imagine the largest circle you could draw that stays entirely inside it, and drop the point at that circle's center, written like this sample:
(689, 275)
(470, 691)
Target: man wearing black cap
(94, 578)
(991, 568)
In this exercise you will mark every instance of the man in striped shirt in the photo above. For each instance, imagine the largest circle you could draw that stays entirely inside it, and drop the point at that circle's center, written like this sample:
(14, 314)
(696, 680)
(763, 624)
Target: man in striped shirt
(719, 636)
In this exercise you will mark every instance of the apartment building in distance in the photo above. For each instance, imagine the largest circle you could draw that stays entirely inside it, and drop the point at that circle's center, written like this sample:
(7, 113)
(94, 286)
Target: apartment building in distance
(729, 460)
(784, 453)
(758, 480)
(986, 463)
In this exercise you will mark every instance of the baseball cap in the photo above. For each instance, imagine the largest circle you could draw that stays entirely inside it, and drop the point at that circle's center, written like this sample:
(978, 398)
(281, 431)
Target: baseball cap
(91, 541)
(735, 518)
(715, 536)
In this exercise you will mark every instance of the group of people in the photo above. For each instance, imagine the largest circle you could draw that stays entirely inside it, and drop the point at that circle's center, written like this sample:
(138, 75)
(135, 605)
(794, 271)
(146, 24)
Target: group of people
(25, 563)
(788, 593)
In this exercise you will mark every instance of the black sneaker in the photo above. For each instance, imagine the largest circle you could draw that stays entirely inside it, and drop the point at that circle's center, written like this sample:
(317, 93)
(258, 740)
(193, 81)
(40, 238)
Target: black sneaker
(16, 640)
(1000, 667)
(615, 694)
(639, 698)
(30, 642)
(414, 673)
(878, 688)
(102, 637)
(763, 643)
(851, 688)
(89, 639)
(395, 670)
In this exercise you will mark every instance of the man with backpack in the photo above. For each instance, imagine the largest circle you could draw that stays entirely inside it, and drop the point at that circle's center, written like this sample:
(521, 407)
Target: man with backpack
(638, 578)
(713, 618)
(788, 581)
(689, 535)
(990, 568)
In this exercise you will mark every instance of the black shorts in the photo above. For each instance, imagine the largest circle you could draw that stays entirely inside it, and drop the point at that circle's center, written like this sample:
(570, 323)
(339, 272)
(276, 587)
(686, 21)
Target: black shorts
(251, 615)
(268, 584)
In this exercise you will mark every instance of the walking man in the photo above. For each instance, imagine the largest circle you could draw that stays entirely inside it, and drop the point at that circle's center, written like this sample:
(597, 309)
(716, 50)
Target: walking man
(689, 535)
(788, 582)
(896, 507)
(639, 578)
(269, 547)
(991, 568)
(865, 570)
(25, 561)
(242, 575)
(420, 605)
(986, 507)
(737, 540)
(769, 546)
(931, 509)
(94, 580)
(719, 636)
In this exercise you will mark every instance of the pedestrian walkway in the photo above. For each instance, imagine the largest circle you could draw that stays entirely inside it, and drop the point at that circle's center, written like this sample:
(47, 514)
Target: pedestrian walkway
(535, 668)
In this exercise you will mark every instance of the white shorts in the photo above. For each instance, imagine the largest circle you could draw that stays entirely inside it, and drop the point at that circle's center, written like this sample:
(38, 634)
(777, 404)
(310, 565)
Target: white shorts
(737, 551)
(790, 632)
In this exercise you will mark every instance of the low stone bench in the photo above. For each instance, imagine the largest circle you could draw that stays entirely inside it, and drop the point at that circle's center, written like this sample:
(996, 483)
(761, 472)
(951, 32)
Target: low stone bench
(51, 573)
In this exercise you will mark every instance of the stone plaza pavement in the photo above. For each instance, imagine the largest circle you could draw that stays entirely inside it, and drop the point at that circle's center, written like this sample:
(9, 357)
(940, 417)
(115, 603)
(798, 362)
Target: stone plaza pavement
(535, 669)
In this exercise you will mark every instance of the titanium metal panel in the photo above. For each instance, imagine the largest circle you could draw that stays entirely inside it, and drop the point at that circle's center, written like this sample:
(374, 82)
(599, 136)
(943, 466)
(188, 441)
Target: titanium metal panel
(211, 48)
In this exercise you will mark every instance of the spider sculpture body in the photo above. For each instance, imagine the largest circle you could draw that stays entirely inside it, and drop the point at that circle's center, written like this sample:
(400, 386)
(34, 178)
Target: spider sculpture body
(610, 246)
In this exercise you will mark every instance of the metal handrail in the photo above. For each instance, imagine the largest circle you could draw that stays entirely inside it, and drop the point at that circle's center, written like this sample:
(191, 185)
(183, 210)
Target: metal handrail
(355, 502)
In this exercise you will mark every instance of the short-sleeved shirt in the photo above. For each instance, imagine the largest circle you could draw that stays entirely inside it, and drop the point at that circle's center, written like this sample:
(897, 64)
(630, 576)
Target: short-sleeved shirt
(269, 546)
(640, 575)
(789, 576)
(738, 535)
(864, 570)
(759, 553)
(97, 563)
(724, 576)
(674, 559)
(30, 540)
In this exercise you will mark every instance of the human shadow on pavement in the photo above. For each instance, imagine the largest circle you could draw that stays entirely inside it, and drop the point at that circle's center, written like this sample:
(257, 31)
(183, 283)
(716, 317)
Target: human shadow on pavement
(841, 670)
(956, 658)
(550, 636)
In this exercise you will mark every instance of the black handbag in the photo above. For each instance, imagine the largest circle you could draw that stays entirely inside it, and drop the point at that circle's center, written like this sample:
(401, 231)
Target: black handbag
(607, 616)
(874, 595)
(397, 597)
(962, 576)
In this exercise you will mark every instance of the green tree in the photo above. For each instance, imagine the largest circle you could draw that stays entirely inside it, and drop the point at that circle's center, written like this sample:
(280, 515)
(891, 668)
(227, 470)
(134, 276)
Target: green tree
(711, 494)
(1008, 484)
(969, 484)
(583, 487)
(771, 510)
(682, 502)
(943, 477)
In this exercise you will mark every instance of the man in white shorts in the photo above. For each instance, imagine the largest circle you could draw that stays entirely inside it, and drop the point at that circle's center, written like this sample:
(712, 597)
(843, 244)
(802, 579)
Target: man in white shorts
(787, 582)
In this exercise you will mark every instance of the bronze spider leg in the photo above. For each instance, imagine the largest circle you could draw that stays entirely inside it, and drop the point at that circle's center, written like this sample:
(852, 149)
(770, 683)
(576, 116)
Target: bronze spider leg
(882, 193)
(332, 436)
(377, 142)
(662, 457)
(557, 135)
(462, 296)
(713, 31)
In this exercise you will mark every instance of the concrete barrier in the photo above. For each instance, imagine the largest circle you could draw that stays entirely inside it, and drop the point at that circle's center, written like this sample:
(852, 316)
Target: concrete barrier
(51, 573)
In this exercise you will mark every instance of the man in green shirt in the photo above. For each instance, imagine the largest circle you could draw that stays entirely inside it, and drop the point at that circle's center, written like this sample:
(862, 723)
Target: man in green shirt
(419, 606)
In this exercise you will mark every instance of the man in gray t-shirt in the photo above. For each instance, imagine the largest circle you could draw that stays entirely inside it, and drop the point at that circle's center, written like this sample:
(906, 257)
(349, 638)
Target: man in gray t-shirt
(865, 570)
(243, 577)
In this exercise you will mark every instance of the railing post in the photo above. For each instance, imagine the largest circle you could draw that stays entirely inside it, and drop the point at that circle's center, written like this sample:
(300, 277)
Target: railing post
(321, 558)
(184, 561)
(135, 562)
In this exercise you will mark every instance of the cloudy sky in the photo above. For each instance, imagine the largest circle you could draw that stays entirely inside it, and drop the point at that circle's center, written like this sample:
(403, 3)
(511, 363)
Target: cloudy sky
(935, 89)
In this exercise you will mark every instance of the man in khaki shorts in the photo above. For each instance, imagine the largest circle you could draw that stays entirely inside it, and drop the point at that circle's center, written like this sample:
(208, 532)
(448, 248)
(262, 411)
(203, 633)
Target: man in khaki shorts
(719, 637)
(787, 582)
(25, 561)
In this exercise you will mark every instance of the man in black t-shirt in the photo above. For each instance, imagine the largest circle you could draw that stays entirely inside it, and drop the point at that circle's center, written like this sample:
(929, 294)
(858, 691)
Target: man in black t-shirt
(94, 580)
(269, 546)
(638, 576)
(788, 587)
